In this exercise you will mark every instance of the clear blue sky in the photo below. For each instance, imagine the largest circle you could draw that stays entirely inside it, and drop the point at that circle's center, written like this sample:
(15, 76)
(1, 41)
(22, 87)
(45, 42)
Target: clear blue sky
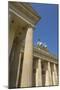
(47, 28)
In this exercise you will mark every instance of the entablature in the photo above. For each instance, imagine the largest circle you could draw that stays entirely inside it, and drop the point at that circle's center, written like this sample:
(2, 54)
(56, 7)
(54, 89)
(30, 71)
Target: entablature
(25, 12)
(43, 55)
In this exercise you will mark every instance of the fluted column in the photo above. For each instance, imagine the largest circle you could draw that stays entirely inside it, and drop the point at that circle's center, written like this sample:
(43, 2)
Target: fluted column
(39, 74)
(55, 79)
(26, 80)
(50, 75)
(36, 80)
(18, 72)
(48, 81)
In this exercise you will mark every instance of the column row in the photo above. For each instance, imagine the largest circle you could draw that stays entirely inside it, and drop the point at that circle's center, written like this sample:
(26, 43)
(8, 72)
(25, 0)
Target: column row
(27, 69)
(50, 74)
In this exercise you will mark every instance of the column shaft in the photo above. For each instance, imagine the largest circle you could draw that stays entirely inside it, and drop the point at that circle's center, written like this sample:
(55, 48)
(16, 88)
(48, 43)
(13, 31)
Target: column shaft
(36, 77)
(18, 72)
(26, 80)
(11, 38)
(39, 74)
(48, 75)
(55, 81)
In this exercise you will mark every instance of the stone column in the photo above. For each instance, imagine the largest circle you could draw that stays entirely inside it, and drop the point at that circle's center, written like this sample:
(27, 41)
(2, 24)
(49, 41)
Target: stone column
(36, 80)
(39, 74)
(55, 81)
(11, 33)
(48, 81)
(11, 38)
(26, 80)
(18, 71)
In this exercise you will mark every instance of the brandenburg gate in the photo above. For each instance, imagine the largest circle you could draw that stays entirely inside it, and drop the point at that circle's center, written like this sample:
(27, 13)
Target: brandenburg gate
(28, 65)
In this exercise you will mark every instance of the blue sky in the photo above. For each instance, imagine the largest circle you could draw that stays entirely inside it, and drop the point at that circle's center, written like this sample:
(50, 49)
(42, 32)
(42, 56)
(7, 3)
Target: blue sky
(47, 28)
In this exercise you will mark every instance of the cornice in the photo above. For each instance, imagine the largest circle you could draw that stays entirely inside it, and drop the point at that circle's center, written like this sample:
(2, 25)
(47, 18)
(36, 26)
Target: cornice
(23, 12)
(47, 53)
